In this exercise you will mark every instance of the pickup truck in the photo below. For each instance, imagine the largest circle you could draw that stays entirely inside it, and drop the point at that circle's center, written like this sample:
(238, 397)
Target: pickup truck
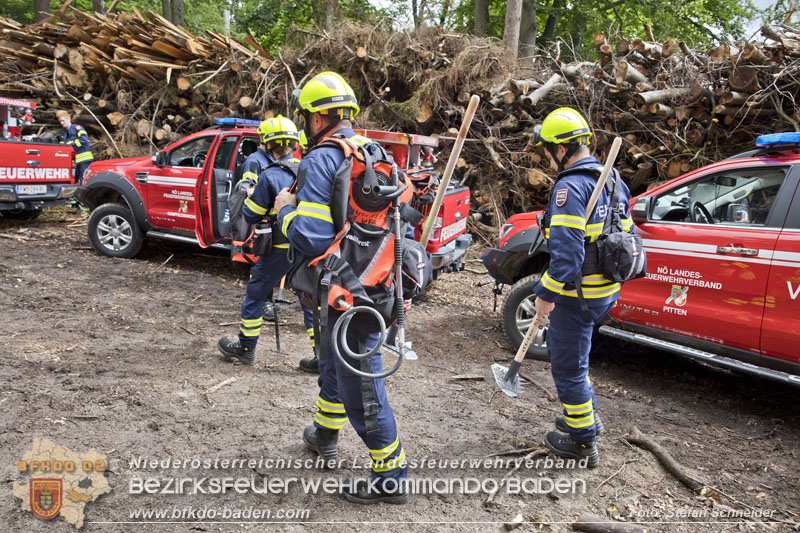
(33, 173)
(723, 273)
(181, 193)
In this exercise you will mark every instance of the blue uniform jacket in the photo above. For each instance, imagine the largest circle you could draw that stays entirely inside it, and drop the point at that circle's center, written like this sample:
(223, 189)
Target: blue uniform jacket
(261, 202)
(568, 232)
(77, 137)
(261, 159)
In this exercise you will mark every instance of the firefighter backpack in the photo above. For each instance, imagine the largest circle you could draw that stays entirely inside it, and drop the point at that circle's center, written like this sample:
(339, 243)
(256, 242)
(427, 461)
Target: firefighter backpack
(358, 268)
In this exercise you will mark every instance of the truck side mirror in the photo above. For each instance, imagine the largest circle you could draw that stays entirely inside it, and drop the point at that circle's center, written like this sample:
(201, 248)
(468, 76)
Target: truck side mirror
(640, 212)
(160, 159)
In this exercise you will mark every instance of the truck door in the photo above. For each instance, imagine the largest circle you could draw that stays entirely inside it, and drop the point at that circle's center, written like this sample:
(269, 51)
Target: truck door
(171, 189)
(708, 250)
(213, 222)
(781, 327)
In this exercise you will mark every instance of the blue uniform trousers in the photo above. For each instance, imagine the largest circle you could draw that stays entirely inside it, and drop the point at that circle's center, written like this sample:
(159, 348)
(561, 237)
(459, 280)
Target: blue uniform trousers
(264, 275)
(569, 340)
(79, 170)
(344, 396)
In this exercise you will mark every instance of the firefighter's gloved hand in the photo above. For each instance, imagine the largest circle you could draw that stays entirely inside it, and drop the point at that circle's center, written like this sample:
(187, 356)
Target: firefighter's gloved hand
(245, 186)
(284, 198)
(406, 305)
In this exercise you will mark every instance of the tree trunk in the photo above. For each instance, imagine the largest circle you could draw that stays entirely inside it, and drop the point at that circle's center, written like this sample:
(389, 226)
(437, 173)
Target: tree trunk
(177, 12)
(226, 18)
(98, 6)
(415, 13)
(330, 13)
(481, 17)
(527, 29)
(41, 10)
(552, 21)
(511, 30)
(166, 9)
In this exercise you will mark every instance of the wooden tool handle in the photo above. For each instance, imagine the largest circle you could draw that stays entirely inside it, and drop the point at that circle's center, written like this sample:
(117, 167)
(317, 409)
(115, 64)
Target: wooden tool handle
(526, 342)
(451, 165)
(601, 181)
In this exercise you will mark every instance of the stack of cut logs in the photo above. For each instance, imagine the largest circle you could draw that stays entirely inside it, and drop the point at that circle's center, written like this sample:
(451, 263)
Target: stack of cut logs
(138, 82)
(676, 109)
(133, 71)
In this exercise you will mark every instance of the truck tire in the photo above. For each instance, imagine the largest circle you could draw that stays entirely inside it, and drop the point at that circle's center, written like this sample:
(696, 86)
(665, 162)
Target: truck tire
(114, 232)
(517, 312)
(21, 214)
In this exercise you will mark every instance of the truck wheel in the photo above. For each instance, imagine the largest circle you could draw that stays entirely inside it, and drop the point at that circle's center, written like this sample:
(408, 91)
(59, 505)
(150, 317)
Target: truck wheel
(517, 311)
(21, 214)
(114, 232)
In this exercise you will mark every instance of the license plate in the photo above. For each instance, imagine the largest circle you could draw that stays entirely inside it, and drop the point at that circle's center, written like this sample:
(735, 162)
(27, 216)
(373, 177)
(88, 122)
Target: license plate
(31, 189)
(453, 230)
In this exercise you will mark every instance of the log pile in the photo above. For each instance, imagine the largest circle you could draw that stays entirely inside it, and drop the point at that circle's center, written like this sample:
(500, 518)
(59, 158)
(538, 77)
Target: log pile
(676, 108)
(134, 74)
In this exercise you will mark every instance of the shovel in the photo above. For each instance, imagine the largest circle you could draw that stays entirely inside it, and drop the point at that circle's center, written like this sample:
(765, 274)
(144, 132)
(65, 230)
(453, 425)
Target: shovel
(507, 379)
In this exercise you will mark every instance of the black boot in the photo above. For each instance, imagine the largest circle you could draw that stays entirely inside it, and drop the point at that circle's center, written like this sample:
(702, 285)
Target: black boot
(599, 428)
(268, 311)
(322, 441)
(310, 364)
(369, 491)
(234, 350)
(565, 446)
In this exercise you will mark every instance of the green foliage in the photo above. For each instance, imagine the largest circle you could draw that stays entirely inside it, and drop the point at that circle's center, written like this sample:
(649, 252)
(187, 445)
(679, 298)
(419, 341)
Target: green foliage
(269, 20)
(19, 10)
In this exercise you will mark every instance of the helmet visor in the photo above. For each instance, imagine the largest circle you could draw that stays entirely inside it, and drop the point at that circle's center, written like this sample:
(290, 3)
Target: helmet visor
(295, 103)
(537, 137)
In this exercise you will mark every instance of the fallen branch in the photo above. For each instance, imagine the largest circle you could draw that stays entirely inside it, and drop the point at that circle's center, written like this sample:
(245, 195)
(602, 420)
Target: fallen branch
(672, 466)
(594, 524)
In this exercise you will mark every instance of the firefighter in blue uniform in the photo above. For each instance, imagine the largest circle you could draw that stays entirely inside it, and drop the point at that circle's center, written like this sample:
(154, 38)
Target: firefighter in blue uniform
(328, 103)
(75, 136)
(259, 160)
(572, 310)
(280, 136)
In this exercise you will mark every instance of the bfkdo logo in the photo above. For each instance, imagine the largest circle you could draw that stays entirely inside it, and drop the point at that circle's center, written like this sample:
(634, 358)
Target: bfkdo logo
(46, 496)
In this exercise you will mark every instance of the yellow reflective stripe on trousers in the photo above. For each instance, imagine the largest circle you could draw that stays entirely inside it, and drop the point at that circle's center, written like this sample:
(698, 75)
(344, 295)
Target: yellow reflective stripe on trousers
(254, 207)
(330, 422)
(330, 407)
(397, 462)
(570, 221)
(310, 332)
(286, 220)
(578, 409)
(315, 210)
(280, 246)
(385, 452)
(581, 422)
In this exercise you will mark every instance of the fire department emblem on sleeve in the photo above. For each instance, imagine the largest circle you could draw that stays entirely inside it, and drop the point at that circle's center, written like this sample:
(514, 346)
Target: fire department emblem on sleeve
(561, 197)
(46, 497)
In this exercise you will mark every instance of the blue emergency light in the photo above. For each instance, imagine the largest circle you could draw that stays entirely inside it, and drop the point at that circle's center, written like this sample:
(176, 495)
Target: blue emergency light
(773, 140)
(230, 121)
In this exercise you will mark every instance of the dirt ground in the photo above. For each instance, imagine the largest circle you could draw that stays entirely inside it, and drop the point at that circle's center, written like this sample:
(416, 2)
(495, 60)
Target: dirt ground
(119, 356)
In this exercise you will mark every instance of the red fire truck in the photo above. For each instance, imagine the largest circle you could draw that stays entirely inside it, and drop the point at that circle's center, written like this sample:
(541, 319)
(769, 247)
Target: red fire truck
(181, 193)
(723, 272)
(34, 173)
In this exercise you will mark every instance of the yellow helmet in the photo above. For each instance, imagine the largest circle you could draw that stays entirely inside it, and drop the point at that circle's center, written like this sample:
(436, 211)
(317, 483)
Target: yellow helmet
(327, 93)
(303, 141)
(278, 128)
(564, 125)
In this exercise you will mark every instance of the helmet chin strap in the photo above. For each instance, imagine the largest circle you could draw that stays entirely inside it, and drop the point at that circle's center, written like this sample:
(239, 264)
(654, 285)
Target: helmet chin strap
(313, 139)
(572, 149)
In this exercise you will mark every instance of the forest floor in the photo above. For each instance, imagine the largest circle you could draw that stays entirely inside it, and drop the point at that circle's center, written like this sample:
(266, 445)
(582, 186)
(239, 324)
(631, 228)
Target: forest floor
(120, 356)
